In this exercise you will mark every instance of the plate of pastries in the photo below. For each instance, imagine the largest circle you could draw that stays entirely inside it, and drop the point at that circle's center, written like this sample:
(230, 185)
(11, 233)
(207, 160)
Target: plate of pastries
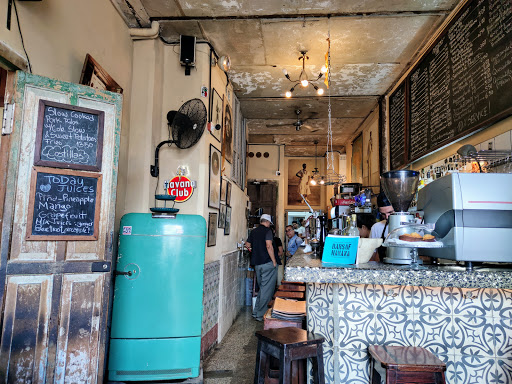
(415, 235)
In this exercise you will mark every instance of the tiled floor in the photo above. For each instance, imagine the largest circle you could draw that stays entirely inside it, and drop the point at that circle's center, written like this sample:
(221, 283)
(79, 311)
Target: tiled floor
(233, 360)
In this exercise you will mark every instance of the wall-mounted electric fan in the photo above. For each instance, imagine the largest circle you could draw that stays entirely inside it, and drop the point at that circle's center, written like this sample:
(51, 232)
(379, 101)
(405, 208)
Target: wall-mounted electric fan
(186, 125)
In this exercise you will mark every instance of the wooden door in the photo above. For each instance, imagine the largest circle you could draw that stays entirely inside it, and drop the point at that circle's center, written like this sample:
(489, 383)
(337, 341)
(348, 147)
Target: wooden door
(262, 195)
(55, 293)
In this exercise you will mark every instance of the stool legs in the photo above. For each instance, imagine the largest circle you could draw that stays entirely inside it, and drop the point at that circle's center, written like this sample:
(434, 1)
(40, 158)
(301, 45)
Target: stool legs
(318, 366)
(261, 365)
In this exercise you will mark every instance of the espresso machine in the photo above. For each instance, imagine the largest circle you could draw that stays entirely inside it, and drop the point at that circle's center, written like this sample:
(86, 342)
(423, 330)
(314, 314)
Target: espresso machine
(400, 188)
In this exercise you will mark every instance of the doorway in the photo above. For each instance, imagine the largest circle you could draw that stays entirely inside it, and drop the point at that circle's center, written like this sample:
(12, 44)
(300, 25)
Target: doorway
(263, 199)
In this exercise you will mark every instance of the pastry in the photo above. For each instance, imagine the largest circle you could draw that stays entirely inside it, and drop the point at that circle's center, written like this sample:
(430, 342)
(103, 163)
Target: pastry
(411, 237)
(429, 238)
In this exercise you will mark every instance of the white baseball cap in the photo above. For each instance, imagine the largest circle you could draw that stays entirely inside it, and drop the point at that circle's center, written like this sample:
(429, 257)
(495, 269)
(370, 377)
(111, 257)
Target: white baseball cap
(266, 217)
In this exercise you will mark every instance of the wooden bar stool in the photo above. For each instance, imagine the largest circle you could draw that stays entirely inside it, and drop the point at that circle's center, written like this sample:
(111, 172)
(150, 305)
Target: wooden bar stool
(405, 365)
(288, 345)
(289, 295)
(292, 287)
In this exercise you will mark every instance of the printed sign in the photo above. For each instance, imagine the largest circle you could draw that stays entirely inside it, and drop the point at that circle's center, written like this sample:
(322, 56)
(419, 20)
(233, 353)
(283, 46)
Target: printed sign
(340, 249)
(181, 187)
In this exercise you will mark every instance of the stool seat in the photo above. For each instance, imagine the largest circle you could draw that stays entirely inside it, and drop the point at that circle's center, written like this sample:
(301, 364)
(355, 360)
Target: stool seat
(405, 365)
(288, 345)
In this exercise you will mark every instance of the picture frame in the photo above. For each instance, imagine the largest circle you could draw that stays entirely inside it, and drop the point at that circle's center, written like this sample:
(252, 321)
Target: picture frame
(228, 193)
(216, 115)
(223, 184)
(227, 138)
(227, 224)
(93, 75)
(212, 229)
(214, 178)
(222, 216)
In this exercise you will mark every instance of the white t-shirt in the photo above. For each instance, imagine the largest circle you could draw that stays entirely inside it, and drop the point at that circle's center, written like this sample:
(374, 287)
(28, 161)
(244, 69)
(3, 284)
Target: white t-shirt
(301, 231)
(377, 228)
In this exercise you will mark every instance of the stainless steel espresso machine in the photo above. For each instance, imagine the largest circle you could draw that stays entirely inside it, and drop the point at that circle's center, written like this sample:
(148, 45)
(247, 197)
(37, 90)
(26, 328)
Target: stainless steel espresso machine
(472, 214)
(400, 188)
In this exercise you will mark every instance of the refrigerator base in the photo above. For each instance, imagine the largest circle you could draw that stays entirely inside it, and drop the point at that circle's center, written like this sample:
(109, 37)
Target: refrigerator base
(154, 359)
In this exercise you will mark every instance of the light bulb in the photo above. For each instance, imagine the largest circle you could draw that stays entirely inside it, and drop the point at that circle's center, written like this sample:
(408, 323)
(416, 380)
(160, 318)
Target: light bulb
(322, 181)
(304, 83)
(288, 94)
(313, 182)
(285, 72)
(323, 69)
(320, 91)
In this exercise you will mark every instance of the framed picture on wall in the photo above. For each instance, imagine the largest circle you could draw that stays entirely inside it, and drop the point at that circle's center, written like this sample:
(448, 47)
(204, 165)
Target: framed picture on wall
(227, 142)
(223, 189)
(212, 229)
(227, 224)
(222, 215)
(214, 180)
(216, 115)
(228, 193)
(96, 77)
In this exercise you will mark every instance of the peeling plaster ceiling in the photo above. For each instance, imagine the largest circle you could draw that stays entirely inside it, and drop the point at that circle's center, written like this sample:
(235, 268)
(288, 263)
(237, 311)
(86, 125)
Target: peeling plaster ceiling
(372, 43)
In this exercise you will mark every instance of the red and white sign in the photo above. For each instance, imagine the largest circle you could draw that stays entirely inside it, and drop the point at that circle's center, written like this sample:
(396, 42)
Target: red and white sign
(181, 187)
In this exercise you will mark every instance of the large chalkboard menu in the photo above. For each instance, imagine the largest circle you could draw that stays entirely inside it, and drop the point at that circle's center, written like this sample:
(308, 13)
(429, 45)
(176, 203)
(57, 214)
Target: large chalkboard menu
(69, 136)
(462, 83)
(397, 127)
(63, 205)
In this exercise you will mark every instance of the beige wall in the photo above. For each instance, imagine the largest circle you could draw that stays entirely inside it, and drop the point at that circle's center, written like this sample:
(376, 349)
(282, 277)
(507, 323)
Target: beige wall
(160, 85)
(58, 34)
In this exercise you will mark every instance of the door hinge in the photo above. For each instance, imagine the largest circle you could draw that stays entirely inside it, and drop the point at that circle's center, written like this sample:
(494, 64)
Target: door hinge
(8, 119)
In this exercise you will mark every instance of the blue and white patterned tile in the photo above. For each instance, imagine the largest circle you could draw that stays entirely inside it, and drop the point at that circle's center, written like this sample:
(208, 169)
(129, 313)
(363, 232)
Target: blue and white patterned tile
(328, 367)
(502, 337)
(474, 336)
(435, 333)
(394, 329)
(321, 323)
(475, 302)
(356, 332)
(470, 371)
(354, 366)
(356, 297)
(433, 300)
(394, 299)
(320, 295)
(503, 371)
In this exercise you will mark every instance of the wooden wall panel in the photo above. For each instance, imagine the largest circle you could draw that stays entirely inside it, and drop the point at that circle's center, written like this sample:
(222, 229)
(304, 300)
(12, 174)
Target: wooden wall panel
(78, 352)
(23, 354)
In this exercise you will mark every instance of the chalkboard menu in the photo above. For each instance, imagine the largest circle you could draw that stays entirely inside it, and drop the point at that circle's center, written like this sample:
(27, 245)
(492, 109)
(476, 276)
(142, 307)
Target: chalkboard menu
(463, 82)
(64, 205)
(397, 127)
(69, 136)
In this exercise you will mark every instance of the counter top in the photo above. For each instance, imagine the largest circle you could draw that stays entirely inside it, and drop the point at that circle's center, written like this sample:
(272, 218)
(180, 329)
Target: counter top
(301, 267)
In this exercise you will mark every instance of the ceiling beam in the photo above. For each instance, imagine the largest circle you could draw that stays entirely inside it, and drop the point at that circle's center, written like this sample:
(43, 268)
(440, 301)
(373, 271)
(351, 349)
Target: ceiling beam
(305, 16)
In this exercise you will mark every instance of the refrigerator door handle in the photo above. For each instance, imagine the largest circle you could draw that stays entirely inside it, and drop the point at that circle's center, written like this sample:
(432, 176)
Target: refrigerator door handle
(129, 273)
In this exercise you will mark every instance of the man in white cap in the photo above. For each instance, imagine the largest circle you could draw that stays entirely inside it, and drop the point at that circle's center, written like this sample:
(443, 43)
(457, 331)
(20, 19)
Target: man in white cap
(265, 264)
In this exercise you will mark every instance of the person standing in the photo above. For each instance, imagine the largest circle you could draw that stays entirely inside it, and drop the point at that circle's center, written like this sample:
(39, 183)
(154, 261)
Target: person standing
(265, 265)
(278, 254)
(301, 231)
(294, 241)
(303, 175)
(380, 229)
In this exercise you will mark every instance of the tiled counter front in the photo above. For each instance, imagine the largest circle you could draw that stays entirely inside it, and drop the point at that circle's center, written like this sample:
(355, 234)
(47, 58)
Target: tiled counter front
(469, 329)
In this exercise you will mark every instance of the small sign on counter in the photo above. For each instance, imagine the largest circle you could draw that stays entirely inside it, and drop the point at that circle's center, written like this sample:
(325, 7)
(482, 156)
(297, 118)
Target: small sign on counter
(340, 249)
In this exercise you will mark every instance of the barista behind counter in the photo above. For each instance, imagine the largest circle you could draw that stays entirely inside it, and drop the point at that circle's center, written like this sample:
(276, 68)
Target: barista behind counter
(380, 230)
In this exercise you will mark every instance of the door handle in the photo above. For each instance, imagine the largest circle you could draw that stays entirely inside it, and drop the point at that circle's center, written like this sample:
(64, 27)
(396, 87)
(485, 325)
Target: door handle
(129, 273)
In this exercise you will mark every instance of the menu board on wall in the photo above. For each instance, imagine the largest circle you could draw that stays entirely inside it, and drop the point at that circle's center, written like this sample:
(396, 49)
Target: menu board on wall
(397, 127)
(69, 136)
(464, 82)
(63, 205)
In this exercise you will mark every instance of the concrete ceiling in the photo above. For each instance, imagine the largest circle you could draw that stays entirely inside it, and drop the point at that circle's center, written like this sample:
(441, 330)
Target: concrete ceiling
(372, 43)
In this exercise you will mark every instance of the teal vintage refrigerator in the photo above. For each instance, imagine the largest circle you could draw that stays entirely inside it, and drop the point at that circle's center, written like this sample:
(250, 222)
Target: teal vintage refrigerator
(158, 298)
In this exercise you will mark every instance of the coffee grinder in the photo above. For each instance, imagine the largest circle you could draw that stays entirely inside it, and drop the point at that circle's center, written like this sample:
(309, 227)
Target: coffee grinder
(400, 188)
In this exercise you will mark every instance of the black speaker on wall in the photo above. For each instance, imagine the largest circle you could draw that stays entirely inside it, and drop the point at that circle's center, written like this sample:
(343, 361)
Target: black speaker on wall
(188, 50)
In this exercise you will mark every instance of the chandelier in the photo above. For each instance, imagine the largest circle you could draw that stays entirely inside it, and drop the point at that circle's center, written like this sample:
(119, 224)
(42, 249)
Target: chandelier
(304, 79)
